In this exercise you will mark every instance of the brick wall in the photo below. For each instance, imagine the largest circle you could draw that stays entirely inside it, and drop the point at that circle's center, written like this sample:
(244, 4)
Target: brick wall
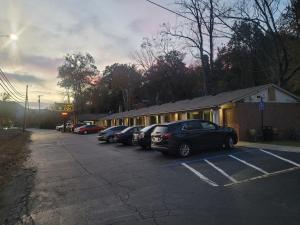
(283, 116)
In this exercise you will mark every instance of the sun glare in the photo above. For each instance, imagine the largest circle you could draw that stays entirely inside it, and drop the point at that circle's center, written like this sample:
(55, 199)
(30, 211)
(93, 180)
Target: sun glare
(13, 37)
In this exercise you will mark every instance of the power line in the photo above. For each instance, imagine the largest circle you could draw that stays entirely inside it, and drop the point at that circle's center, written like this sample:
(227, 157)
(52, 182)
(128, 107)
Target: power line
(178, 14)
(170, 10)
(18, 101)
(10, 84)
(8, 91)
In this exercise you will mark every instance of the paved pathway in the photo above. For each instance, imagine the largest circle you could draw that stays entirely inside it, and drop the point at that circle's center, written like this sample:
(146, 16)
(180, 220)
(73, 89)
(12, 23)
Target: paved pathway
(80, 181)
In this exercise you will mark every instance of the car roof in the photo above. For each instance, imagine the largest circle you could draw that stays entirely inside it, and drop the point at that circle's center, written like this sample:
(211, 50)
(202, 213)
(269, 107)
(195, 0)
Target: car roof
(181, 121)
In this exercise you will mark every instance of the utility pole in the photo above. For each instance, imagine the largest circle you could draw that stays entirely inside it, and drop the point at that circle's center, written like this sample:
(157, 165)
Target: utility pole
(39, 101)
(25, 109)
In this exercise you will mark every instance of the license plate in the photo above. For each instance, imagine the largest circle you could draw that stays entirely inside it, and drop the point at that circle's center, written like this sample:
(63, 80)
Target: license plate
(156, 139)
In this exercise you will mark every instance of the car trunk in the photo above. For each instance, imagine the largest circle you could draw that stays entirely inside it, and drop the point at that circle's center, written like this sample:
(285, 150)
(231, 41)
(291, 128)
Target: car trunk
(160, 135)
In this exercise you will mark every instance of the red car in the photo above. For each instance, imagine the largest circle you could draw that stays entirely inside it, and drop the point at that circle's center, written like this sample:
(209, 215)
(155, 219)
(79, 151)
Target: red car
(87, 129)
(74, 126)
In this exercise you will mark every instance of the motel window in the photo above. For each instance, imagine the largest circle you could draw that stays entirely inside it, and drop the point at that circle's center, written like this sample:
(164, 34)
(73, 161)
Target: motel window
(167, 118)
(196, 115)
(130, 121)
(152, 119)
(158, 119)
(179, 117)
(188, 115)
(120, 122)
(207, 115)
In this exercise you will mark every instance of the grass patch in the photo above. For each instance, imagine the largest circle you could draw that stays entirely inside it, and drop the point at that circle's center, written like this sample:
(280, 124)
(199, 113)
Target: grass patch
(13, 153)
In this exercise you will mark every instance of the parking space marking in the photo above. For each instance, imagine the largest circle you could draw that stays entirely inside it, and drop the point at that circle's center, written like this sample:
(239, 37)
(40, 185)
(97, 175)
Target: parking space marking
(221, 171)
(249, 164)
(279, 157)
(201, 176)
(264, 176)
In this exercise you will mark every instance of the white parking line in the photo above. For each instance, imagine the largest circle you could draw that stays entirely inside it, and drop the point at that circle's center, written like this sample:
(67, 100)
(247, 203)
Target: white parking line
(202, 177)
(221, 171)
(249, 164)
(279, 157)
(264, 176)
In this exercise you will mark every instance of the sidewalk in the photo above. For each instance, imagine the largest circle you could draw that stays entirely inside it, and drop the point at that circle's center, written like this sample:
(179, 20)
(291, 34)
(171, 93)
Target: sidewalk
(268, 146)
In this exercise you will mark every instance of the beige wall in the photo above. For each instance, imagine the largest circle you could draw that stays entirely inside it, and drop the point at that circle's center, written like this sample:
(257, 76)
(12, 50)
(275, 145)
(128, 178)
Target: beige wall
(283, 116)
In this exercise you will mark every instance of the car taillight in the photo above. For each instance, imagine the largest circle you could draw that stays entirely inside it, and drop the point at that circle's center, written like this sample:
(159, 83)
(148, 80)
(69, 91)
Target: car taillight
(142, 135)
(167, 136)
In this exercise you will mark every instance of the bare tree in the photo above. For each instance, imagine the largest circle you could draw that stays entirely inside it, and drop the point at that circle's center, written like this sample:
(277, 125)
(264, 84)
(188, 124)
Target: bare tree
(266, 14)
(151, 49)
(5, 97)
(145, 56)
(200, 31)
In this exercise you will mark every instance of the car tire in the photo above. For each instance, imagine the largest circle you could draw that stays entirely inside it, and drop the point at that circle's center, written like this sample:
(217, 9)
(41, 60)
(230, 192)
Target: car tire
(85, 132)
(229, 143)
(184, 150)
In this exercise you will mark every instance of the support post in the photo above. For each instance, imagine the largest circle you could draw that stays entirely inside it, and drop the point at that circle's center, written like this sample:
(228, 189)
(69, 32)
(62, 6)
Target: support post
(25, 109)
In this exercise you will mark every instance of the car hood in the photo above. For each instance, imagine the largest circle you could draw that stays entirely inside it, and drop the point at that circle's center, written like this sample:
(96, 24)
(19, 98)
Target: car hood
(104, 133)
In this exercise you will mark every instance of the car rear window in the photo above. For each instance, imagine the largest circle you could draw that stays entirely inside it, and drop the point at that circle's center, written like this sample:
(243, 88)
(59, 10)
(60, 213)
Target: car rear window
(161, 129)
(145, 129)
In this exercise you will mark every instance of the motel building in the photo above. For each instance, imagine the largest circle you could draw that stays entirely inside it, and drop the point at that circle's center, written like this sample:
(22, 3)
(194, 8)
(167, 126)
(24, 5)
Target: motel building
(241, 109)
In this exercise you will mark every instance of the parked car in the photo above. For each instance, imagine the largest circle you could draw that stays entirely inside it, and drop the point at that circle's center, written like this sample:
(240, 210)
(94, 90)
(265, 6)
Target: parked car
(74, 126)
(87, 129)
(61, 127)
(184, 137)
(143, 137)
(126, 135)
(109, 133)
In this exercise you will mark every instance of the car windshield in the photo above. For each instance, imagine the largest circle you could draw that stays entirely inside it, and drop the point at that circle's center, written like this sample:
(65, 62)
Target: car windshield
(120, 128)
(127, 129)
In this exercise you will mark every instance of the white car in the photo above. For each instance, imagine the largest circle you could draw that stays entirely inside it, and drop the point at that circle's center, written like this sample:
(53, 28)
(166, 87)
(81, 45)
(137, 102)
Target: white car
(61, 127)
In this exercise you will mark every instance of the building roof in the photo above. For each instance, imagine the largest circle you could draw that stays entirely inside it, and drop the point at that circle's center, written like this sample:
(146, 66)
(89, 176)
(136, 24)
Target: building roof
(91, 117)
(204, 102)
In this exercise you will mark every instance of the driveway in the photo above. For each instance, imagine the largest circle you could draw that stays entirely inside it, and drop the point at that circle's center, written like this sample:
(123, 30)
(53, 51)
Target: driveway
(81, 181)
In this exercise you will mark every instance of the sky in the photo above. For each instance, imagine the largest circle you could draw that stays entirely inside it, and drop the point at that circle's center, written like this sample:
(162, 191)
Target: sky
(110, 30)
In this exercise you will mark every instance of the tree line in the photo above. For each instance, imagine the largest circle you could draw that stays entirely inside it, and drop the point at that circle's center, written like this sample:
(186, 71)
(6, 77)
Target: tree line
(262, 45)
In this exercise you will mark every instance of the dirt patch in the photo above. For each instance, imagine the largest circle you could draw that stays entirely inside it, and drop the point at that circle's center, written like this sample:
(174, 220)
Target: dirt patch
(13, 153)
(16, 180)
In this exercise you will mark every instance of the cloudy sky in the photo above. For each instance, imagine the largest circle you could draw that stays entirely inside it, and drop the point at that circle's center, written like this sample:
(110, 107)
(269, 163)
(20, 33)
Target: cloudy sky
(108, 29)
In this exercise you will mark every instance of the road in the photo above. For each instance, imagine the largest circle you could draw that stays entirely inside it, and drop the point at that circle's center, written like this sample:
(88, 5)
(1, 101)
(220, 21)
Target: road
(80, 181)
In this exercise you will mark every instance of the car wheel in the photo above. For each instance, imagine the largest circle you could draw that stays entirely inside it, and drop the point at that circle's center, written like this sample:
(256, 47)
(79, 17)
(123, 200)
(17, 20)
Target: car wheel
(184, 150)
(229, 143)
(85, 132)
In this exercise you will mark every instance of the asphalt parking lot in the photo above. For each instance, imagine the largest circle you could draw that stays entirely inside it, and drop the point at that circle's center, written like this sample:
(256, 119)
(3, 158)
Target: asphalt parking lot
(81, 181)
